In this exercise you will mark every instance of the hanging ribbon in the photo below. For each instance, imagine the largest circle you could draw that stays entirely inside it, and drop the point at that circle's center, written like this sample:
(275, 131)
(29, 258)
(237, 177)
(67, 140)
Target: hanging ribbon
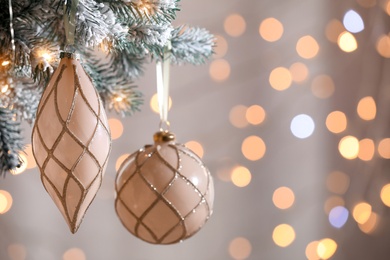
(70, 9)
(162, 70)
(11, 28)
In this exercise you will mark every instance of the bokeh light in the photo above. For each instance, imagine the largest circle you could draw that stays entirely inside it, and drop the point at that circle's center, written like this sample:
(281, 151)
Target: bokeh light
(361, 212)
(366, 149)
(336, 122)
(221, 47)
(383, 45)
(196, 147)
(116, 128)
(237, 116)
(349, 147)
(283, 198)
(322, 86)
(154, 103)
(387, 7)
(17, 252)
(338, 216)
(299, 72)
(5, 201)
(307, 47)
(333, 29)
(241, 176)
(347, 42)
(385, 194)
(74, 254)
(30, 157)
(311, 251)
(234, 25)
(23, 165)
(240, 248)
(302, 126)
(371, 224)
(353, 22)
(337, 182)
(225, 167)
(255, 115)
(384, 148)
(120, 160)
(326, 248)
(280, 78)
(366, 108)
(332, 202)
(283, 235)
(253, 148)
(219, 70)
(367, 3)
(271, 29)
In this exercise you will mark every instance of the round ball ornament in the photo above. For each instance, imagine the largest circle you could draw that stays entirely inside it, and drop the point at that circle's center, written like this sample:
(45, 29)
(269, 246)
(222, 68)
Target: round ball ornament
(165, 194)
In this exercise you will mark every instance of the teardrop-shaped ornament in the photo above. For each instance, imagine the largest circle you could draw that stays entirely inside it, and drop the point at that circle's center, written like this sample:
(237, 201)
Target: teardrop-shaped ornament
(71, 140)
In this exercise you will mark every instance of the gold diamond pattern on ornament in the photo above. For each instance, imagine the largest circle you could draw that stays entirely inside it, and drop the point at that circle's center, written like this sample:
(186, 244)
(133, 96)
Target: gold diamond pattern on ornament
(158, 199)
(69, 150)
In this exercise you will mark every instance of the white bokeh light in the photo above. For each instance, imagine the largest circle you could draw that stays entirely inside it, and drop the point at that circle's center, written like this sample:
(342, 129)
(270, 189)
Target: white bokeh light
(302, 126)
(353, 22)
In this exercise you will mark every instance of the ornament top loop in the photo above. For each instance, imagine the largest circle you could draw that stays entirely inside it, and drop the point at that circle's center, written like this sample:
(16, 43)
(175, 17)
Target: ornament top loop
(70, 9)
(163, 137)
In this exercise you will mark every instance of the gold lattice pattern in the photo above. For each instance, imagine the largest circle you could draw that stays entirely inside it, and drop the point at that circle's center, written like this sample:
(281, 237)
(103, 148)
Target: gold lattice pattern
(71, 141)
(164, 193)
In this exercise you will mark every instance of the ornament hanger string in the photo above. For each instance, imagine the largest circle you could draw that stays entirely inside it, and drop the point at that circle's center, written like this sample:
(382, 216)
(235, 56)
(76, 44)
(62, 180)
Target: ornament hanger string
(162, 70)
(11, 28)
(70, 9)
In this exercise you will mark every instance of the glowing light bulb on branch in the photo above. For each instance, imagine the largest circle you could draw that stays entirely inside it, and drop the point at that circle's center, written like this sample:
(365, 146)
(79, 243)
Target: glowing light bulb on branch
(5, 63)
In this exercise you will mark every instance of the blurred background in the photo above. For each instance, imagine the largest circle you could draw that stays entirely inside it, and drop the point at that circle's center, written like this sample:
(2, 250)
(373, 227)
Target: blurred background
(291, 116)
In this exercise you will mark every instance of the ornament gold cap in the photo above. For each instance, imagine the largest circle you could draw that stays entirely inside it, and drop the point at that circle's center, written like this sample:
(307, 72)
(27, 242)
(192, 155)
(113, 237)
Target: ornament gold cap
(69, 55)
(163, 136)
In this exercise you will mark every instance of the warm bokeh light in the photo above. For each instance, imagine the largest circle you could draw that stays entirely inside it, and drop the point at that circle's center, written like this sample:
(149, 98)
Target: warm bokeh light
(347, 42)
(120, 160)
(116, 128)
(311, 251)
(302, 126)
(283, 235)
(255, 115)
(336, 122)
(366, 108)
(326, 248)
(74, 254)
(283, 198)
(384, 148)
(22, 167)
(253, 148)
(353, 22)
(307, 47)
(280, 78)
(234, 25)
(237, 116)
(17, 252)
(322, 86)
(240, 248)
(367, 3)
(383, 46)
(219, 70)
(371, 224)
(333, 29)
(271, 29)
(332, 202)
(154, 103)
(385, 194)
(387, 7)
(221, 47)
(45, 55)
(30, 157)
(241, 176)
(361, 212)
(196, 147)
(5, 63)
(299, 72)
(337, 182)
(366, 149)
(338, 216)
(5, 201)
(349, 147)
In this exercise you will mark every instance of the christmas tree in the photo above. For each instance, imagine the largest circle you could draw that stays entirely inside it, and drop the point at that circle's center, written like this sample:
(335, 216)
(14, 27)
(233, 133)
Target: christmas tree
(126, 33)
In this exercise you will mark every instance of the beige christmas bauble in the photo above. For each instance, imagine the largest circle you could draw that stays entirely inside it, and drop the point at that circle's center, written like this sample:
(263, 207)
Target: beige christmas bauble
(165, 194)
(71, 140)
